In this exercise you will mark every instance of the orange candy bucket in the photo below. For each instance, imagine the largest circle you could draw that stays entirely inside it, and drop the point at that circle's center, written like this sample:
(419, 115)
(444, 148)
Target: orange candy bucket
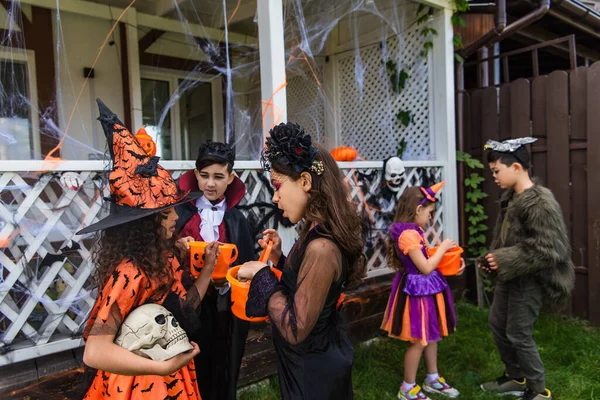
(450, 263)
(228, 254)
(239, 290)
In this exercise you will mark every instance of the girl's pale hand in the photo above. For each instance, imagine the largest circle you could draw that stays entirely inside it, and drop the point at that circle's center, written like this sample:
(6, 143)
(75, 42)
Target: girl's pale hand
(211, 253)
(273, 236)
(447, 244)
(249, 269)
(174, 364)
(463, 265)
(183, 243)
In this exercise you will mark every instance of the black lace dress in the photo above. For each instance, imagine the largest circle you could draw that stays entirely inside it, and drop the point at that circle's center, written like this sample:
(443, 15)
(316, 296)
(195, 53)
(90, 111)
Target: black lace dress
(314, 354)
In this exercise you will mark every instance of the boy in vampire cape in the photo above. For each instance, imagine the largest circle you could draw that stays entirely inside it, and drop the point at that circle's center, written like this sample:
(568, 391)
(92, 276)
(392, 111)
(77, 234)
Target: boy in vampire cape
(214, 216)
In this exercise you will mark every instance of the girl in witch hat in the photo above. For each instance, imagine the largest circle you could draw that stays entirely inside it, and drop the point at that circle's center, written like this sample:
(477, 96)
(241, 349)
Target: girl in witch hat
(137, 262)
(420, 309)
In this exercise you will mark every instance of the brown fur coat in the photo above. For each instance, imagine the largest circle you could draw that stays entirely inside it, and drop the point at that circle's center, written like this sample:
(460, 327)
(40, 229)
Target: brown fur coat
(530, 238)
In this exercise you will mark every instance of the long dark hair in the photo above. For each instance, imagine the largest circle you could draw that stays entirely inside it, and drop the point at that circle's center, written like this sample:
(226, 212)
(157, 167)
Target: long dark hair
(329, 207)
(406, 211)
(143, 242)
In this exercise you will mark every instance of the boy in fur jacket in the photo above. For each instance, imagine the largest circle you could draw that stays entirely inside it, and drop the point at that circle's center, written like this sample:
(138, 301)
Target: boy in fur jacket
(531, 254)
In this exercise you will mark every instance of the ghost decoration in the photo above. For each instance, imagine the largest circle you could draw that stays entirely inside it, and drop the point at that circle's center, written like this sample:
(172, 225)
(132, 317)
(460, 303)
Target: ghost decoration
(394, 173)
(151, 331)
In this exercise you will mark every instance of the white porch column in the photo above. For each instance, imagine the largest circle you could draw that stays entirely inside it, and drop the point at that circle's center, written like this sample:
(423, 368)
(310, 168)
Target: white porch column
(133, 64)
(272, 79)
(442, 89)
(272, 63)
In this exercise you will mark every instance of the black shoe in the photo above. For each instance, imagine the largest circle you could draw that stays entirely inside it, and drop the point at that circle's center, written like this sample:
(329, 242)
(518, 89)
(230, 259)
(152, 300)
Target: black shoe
(506, 386)
(533, 395)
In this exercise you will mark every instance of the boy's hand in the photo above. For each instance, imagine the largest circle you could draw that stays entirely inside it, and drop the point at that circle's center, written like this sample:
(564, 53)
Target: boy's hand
(463, 265)
(272, 235)
(487, 263)
(183, 243)
(491, 261)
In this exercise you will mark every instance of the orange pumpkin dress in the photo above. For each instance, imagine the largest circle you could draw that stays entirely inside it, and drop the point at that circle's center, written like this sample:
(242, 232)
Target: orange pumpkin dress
(126, 289)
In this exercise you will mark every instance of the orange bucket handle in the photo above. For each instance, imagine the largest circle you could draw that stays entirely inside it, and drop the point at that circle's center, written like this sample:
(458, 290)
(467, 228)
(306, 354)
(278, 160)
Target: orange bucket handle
(234, 255)
(264, 256)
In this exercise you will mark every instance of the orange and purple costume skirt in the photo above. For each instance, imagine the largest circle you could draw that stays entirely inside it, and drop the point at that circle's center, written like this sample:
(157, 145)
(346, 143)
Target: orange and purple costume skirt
(420, 317)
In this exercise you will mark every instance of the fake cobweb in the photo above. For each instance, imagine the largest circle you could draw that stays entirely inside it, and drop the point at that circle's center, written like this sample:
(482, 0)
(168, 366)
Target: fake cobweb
(190, 71)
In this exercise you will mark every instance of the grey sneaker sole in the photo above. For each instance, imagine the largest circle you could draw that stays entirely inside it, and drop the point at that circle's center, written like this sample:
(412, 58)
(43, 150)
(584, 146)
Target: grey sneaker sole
(402, 397)
(515, 393)
(429, 389)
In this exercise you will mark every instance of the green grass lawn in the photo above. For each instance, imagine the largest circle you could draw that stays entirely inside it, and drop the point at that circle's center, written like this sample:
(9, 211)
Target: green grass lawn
(569, 348)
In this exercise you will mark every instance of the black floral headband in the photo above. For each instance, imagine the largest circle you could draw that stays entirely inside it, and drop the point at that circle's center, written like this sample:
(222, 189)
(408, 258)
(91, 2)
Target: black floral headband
(287, 144)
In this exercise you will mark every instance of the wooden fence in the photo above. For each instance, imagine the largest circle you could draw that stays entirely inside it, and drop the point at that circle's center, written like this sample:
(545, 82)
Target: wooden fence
(562, 110)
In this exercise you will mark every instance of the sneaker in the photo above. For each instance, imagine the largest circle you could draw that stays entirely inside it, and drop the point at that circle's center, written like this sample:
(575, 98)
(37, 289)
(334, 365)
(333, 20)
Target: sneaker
(531, 395)
(440, 387)
(506, 386)
(413, 394)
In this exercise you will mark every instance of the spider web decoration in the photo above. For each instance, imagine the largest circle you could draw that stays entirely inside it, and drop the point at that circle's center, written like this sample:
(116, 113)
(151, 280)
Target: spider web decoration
(189, 71)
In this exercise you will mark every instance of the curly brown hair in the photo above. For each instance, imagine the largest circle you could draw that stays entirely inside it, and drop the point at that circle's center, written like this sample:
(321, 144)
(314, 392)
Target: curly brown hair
(143, 242)
(406, 211)
(336, 214)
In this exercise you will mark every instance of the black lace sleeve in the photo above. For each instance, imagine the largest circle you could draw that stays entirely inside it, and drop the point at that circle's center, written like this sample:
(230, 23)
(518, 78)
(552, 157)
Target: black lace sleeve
(262, 287)
(295, 313)
(280, 263)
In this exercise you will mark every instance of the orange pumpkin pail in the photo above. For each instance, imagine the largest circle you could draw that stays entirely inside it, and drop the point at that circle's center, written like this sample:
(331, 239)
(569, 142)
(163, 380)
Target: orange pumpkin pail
(240, 290)
(146, 142)
(227, 256)
(450, 263)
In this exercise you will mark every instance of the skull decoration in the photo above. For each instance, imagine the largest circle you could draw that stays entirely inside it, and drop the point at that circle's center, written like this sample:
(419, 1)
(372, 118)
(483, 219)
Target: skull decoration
(151, 331)
(394, 173)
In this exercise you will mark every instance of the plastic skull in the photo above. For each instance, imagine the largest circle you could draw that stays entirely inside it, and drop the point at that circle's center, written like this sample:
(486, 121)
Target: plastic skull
(394, 173)
(151, 331)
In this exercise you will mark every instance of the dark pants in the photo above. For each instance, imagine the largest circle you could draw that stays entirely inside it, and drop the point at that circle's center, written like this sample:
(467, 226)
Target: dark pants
(222, 341)
(514, 311)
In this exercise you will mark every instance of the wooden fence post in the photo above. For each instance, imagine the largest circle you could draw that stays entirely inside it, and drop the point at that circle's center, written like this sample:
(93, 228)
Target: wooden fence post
(593, 181)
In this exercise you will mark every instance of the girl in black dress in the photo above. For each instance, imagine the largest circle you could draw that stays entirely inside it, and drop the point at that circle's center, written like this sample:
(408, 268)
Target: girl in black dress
(314, 354)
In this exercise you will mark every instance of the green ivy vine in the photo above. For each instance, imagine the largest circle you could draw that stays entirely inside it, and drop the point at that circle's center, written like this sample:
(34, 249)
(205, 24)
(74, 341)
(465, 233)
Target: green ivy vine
(423, 14)
(474, 195)
(476, 216)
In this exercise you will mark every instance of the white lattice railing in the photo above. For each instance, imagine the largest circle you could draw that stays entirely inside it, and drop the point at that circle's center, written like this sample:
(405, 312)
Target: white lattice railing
(368, 106)
(45, 288)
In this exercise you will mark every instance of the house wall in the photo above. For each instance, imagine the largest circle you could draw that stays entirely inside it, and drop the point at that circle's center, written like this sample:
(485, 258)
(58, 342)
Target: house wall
(176, 45)
(77, 41)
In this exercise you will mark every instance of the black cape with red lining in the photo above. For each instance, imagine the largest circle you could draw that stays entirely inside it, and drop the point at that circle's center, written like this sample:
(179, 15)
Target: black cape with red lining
(222, 336)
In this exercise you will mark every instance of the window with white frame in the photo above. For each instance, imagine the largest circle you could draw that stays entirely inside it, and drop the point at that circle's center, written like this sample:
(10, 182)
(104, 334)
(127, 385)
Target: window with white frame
(181, 112)
(19, 121)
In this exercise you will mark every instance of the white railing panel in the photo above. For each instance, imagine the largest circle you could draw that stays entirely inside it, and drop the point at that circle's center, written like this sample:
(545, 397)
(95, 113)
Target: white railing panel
(46, 286)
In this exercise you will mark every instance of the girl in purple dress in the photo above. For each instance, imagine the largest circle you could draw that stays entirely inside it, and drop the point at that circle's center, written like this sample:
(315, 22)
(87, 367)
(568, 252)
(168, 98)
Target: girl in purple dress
(420, 309)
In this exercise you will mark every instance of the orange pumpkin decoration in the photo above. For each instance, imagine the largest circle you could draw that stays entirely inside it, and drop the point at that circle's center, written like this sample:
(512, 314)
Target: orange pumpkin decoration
(146, 142)
(344, 153)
